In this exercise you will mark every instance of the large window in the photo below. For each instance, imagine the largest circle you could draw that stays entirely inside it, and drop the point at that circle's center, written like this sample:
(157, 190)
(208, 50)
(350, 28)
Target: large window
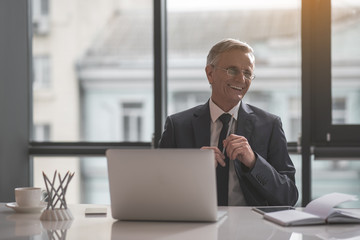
(102, 79)
(93, 83)
(101, 58)
(331, 81)
(335, 61)
(95, 72)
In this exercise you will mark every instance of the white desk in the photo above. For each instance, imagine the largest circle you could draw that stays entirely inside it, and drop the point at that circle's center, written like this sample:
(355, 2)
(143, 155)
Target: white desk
(240, 223)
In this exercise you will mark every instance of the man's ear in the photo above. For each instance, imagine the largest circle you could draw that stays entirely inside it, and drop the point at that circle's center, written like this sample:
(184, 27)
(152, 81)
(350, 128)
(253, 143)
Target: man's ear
(209, 69)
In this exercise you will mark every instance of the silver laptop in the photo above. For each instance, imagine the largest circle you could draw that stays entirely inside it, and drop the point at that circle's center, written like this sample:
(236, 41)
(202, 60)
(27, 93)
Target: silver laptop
(163, 184)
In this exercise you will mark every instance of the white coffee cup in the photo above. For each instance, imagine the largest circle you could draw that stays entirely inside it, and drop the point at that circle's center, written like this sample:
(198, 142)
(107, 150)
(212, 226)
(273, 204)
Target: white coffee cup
(28, 196)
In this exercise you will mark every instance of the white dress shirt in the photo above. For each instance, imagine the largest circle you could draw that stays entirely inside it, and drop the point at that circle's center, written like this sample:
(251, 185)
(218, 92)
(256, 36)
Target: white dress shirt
(235, 195)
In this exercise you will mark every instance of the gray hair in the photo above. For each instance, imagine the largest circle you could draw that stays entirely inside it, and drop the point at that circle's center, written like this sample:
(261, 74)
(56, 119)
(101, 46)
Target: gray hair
(227, 45)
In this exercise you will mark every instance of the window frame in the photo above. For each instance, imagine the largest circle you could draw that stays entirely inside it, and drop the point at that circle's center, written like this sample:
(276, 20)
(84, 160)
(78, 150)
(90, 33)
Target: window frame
(325, 134)
(15, 72)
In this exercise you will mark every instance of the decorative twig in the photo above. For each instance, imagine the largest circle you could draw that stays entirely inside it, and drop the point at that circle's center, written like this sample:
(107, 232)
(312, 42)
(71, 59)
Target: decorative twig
(62, 192)
(65, 189)
(57, 194)
(52, 189)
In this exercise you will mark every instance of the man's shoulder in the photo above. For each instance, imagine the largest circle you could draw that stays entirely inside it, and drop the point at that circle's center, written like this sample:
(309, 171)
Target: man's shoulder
(260, 112)
(188, 113)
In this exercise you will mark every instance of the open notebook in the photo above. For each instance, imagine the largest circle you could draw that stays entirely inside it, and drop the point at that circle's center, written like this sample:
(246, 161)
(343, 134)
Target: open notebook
(163, 184)
(319, 211)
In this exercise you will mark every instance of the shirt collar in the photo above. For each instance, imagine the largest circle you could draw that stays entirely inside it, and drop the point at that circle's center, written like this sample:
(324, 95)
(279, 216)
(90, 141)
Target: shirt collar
(216, 112)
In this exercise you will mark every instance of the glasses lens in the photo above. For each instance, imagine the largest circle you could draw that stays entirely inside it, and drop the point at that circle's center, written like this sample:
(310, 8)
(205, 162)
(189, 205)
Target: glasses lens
(233, 72)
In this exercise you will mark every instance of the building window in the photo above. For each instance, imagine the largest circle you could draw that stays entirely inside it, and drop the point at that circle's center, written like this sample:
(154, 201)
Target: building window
(41, 72)
(40, 14)
(132, 121)
(41, 132)
(339, 111)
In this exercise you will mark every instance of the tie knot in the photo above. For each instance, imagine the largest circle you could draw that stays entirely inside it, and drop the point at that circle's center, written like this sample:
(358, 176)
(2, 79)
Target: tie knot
(225, 118)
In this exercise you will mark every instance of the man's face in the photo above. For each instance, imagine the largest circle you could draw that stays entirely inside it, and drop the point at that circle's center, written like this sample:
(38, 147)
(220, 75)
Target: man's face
(230, 77)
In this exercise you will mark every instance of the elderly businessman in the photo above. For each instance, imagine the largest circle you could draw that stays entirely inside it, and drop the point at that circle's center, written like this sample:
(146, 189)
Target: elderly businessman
(253, 166)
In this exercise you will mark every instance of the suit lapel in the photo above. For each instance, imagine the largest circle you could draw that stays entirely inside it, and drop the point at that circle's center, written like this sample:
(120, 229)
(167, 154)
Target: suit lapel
(201, 126)
(245, 123)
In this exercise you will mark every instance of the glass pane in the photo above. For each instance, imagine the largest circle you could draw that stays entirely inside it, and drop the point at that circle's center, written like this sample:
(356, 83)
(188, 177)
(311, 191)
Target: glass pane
(62, 165)
(90, 183)
(336, 176)
(345, 61)
(272, 28)
(94, 178)
(93, 70)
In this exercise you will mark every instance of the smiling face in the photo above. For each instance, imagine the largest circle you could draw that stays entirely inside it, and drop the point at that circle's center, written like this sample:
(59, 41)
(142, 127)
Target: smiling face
(228, 90)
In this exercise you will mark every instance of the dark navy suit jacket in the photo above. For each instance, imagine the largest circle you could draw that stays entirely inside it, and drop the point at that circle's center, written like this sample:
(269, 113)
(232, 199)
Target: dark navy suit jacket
(272, 180)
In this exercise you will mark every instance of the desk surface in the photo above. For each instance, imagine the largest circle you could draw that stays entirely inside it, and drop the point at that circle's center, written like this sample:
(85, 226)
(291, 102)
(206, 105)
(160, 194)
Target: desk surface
(240, 223)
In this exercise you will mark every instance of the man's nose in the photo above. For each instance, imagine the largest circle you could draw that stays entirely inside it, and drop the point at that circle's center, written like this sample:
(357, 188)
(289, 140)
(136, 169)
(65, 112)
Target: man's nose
(240, 77)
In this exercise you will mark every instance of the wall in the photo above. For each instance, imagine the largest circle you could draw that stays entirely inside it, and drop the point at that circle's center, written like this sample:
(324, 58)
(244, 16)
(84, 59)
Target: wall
(14, 74)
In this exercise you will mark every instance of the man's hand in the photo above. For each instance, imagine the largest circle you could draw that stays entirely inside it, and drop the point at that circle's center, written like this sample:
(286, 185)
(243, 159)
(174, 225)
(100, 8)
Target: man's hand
(219, 157)
(237, 147)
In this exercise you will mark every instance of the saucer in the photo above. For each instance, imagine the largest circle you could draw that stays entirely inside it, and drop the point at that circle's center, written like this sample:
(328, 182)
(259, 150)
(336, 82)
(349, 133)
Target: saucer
(18, 209)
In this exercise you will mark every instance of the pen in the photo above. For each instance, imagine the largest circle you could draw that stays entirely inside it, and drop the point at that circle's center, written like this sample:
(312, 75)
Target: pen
(228, 131)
